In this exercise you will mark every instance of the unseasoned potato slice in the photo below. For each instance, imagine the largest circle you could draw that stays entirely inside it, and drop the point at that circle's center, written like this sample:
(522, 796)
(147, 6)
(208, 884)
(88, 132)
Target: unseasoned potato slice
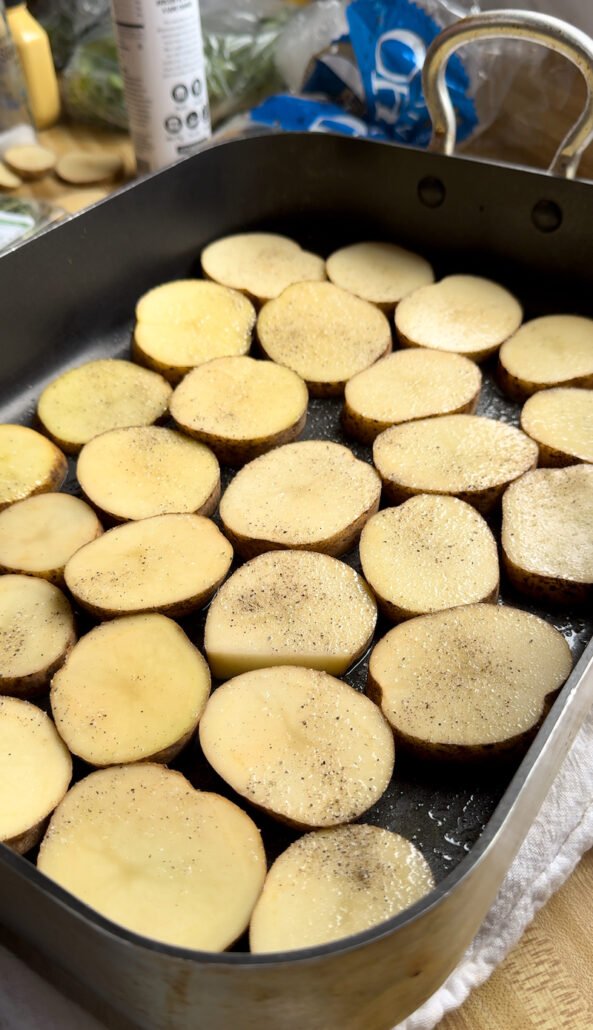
(140, 471)
(381, 273)
(35, 770)
(101, 395)
(547, 534)
(561, 423)
(260, 264)
(29, 464)
(142, 847)
(468, 681)
(36, 634)
(289, 608)
(313, 495)
(333, 883)
(472, 457)
(430, 553)
(461, 313)
(324, 334)
(306, 747)
(408, 385)
(240, 407)
(556, 350)
(40, 534)
(169, 563)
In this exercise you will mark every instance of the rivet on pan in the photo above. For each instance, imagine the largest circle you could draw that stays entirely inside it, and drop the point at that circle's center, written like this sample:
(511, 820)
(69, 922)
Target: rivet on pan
(431, 191)
(546, 216)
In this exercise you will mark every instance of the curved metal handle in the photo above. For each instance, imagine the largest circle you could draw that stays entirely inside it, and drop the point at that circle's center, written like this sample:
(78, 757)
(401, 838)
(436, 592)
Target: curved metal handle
(535, 28)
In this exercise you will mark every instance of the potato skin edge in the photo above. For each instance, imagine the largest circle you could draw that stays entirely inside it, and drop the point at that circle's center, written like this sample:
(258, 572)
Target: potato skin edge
(238, 452)
(361, 427)
(521, 389)
(478, 356)
(36, 683)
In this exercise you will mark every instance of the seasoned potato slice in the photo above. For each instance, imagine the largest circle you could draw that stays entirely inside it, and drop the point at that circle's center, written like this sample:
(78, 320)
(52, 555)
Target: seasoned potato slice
(333, 883)
(140, 471)
(40, 534)
(313, 495)
(36, 634)
(561, 423)
(461, 313)
(169, 563)
(240, 407)
(35, 770)
(289, 608)
(409, 385)
(304, 746)
(142, 847)
(468, 681)
(430, 553)
(556, 350)
(260, 264)
(381, 273)
(101, 395)
(324, 334)
(147, 681)
(469, 456)
(547, 534)
(29, 464)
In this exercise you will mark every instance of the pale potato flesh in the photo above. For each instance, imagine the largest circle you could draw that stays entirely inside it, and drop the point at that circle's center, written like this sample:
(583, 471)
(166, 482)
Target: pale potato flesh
(36, 633)
(289, 608)
(306, 747)
(261, 264)
(333, 883)
(29, 464)
(40, 534)
(550, 351)
(561, 423)
(381, 273)
(147, 851)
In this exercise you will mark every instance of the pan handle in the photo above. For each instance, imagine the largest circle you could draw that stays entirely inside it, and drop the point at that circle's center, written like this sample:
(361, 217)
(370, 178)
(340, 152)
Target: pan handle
(535, 28)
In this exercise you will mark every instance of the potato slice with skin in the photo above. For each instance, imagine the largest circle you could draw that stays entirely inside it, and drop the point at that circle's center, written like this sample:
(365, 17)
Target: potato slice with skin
(35, 770)
(289, 608)
(324, 334)
(29, 464)
(305, 747)
(561, 423)
(409, 385)
(260, 264)
(314, 495)
(131, 690)
(36, 634)
(555, 350)
(547, 534)
(469, 681)
(333, 883)
(40, 534)
(469, 456)
(101, 395)
(430, 553)
(142, 847)
(140, 471)
(170, 564)
(381, 273)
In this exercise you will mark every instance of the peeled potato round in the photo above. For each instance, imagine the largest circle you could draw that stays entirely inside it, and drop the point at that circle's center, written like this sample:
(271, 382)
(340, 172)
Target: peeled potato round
(142, 847)
(36, 634)
(381, 273)
(561, 423)
(40, 534)
(29, 464)
(556, 350)
(260, 264)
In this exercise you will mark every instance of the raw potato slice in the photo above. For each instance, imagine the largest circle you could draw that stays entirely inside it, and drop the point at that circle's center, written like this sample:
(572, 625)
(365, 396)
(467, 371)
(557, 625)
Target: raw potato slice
(409, 385)
(29, 464)
(305, 747)
(290, 608)
(131, 690)
(260, 264)
(101, 395)
(461, 313)
(313, 495)
(556, 350)
(142, 847)
(381, 273)
(140, 471)
(324, 334)
(8, 179)
(469, 456)
(81, 168)
(547, 534)
(36, 634)
(40, 534)
(29, 160)
(35, 770)
(430, 553)
(469, 681)
(334, 883)
(561, 423)
(240, 407)
(169, 563)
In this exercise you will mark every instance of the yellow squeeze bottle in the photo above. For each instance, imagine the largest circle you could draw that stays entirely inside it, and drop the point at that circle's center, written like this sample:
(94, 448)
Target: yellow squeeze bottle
(33, 48)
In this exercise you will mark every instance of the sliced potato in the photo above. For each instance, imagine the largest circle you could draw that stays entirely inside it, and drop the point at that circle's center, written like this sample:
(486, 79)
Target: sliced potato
(142, 847)
(468, 681)
(40, 534)
(9, 180)
(409, 385)
(169, 563)
(36, 634)
(324, 334)
(561, 423)
(381, 273)
(29, 160)
(556, 350)
(305, 747)
(81, 167)
(333, 883)
(289, 608)
(313, 495)
(101, 395)
(260, 264)
(29, 464)
(430, 553)
(140, 471)
(469, 456)
(461, 313)
(547, 534)
(35, 770)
